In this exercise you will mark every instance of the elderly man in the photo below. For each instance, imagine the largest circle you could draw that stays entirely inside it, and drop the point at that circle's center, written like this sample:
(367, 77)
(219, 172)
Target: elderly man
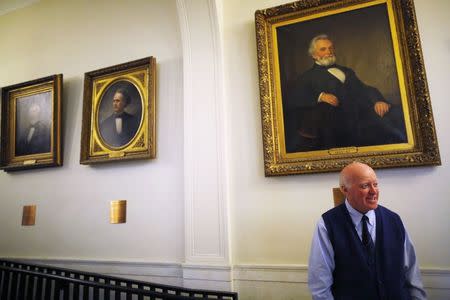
(120, 127)
(36, 138)
(360, 250)
(335, 108)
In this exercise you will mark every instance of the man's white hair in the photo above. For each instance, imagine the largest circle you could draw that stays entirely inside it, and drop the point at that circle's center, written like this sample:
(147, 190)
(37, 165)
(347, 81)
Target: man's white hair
(344, 180)
(312, 44)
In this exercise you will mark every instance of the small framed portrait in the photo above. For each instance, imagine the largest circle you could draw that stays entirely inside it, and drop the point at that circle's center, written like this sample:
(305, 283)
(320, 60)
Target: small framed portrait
(119, 113)
(31, 124)
(342, 81)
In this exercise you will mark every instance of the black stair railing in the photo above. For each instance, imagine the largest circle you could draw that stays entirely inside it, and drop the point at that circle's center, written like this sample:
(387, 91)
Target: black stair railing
(21, 280)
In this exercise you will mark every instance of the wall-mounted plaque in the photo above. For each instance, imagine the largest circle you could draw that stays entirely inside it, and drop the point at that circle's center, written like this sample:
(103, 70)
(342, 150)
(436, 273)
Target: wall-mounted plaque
(29, 215)
(118, 212)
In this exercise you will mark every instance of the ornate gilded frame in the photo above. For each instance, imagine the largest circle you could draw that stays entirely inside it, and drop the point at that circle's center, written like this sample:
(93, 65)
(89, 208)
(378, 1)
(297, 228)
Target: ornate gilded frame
(138, 78)
(420, 147)
(31, 124)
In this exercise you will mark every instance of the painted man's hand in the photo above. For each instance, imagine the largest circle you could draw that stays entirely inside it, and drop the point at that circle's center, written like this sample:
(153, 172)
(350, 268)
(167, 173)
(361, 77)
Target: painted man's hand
(381, 108)
(329, 98)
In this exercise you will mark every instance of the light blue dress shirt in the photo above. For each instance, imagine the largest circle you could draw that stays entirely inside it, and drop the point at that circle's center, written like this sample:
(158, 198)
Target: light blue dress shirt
(321, 259)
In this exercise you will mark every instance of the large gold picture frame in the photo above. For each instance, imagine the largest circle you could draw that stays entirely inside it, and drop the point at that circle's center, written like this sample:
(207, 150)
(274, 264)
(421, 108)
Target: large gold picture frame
(119, 113)
(378, 62)
(31, 124)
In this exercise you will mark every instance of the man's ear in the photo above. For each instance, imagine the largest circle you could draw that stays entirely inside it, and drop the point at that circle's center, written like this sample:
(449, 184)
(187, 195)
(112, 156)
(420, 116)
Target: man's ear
(344, 190)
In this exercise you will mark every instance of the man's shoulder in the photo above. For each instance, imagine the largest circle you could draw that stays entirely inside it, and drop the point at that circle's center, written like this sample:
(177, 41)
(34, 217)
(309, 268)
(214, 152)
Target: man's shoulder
(311, 70)
(108, 119)
(315, 72)
(385, 210)
(387, 213)
(41, 127)
(127, 116)
(345, 69)
(337, 210)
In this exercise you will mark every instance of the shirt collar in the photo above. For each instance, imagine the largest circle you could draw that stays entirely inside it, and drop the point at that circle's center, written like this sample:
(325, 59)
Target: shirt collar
(316, 64)
(356, 215)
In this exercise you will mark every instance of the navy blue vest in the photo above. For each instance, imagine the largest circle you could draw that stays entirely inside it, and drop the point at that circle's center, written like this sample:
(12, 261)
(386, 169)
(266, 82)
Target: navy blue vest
(356, 275)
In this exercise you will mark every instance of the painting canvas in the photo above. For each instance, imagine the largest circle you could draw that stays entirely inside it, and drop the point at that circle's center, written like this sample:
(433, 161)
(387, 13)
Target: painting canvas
(336, 85)
(369, 76)
(121, 98)
(119, 113)
(31, 124)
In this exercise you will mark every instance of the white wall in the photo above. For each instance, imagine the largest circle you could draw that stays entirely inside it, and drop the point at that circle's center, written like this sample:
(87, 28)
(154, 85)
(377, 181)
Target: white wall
(74, 37)
(271, 219)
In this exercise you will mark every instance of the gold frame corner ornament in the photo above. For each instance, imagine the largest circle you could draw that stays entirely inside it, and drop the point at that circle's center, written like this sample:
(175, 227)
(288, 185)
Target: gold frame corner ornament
(421, 146)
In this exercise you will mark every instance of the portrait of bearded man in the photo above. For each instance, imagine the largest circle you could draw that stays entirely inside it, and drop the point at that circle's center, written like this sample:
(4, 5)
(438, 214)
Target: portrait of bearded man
(337, 109)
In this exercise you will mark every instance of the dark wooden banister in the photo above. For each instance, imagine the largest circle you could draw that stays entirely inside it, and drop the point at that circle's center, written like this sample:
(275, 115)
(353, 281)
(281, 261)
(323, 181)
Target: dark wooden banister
(45, 278)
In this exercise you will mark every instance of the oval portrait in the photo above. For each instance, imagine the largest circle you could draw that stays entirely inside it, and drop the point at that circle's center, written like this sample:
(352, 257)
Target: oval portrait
(119, 113)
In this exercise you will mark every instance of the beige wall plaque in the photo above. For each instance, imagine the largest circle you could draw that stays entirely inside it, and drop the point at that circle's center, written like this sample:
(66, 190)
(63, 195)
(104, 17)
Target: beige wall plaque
(29, 215)
(118, 212)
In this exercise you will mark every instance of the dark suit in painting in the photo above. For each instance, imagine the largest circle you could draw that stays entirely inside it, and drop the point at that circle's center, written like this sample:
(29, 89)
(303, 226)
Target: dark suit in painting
(314, 125)
(36, 139)
(109, 131)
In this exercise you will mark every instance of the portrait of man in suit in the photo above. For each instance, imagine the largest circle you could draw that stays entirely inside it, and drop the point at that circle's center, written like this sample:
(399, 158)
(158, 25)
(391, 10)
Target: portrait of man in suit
(120, 126)
(336, 108)
(33, 125)
(339, 82)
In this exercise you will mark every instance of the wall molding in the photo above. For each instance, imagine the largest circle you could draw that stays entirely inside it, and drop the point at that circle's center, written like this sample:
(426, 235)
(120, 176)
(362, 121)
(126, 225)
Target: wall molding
(206, 178)
(188, 275)
(271, 273)
(273, 277)
(269, 276)
(432, 278)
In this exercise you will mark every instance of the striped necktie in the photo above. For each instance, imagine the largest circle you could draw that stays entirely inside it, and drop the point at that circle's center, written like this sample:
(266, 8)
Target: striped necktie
(366, 238)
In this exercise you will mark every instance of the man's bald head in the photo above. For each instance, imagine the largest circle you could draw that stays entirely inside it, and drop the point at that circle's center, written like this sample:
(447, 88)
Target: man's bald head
(359, 184)
(348, 172)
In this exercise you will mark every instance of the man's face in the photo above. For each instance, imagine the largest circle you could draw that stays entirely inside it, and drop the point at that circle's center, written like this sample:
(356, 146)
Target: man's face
(34, 114)
(324, 52)
(118, 103)
(362, 189)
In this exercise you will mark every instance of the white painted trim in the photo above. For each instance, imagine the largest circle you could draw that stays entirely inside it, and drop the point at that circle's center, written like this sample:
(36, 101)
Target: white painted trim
(432, 278)
(116, 268)
(271, 273)
(220, 110)
(208, 277)
(186, 275)
(217, 277)
(436, 279)
(206, 179)
(207, 272)
(189, 182)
